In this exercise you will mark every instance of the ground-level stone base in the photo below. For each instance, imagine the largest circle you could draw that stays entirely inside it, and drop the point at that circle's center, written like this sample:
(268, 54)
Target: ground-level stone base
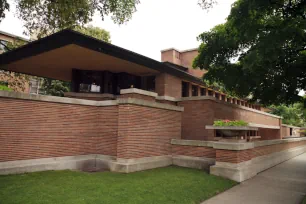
(246, 170)
(193, 162)
(99, 162)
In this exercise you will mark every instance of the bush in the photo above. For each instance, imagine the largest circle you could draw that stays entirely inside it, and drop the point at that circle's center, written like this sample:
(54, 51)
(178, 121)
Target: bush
(230, 123)
(4, 88)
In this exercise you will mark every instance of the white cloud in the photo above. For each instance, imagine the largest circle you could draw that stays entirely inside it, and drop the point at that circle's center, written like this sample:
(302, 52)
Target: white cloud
(158, 24)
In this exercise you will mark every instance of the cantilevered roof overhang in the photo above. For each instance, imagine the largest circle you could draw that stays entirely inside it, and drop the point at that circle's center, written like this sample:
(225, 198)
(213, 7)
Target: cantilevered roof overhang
(56, 55)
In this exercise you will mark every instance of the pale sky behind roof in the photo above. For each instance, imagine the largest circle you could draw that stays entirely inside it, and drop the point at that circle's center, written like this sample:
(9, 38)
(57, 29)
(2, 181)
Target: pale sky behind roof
(157, 25)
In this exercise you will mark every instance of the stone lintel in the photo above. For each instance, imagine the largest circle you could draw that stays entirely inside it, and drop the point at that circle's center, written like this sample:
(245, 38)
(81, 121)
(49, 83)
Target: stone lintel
(233, 146)
(138, 91)
(197, 143)
(146, 103)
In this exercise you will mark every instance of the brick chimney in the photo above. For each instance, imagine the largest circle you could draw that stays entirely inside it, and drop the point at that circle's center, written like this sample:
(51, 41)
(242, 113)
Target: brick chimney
(183, 58)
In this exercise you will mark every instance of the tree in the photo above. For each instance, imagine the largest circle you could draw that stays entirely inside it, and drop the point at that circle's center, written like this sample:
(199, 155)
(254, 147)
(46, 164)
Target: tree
(259, 52)
(50, 15)
(55, 87)
(14, 81)
(95, 32)
(292, 115)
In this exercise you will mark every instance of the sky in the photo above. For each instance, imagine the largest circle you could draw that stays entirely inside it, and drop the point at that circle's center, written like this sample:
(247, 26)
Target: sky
(156, 25)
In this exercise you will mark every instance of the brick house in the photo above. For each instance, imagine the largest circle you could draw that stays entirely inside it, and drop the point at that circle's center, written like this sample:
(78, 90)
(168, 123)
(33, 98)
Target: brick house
(125, 112)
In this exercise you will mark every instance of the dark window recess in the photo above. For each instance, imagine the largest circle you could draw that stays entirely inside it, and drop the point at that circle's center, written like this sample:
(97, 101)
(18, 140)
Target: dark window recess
(228, 100)
(185, 89)
(210, 93)
(223, 97)
(194, 90)
(217, 95)
(203, 92)
(104, 81)
(148, 83)
(238, 102)
(291, 132)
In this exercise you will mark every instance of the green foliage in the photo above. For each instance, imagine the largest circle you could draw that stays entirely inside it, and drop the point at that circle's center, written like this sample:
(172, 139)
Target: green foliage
(292, 115)
(95, 32)
(230, 123)
(260, 51)
(55, 87)
(48, 16)
(4, 6)
(4, 88)
(163, 185)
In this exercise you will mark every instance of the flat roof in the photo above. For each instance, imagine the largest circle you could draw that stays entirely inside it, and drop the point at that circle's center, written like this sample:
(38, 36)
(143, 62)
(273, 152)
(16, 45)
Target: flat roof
(44, 55)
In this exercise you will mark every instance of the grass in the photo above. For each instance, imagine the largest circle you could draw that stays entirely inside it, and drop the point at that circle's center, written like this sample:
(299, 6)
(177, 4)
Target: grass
(304, 200)
(163, 185)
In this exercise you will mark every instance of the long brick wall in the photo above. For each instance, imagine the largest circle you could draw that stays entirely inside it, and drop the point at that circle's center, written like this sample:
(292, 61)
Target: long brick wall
(198, 113)
(36, 129)
(233, 156)
(145, 131)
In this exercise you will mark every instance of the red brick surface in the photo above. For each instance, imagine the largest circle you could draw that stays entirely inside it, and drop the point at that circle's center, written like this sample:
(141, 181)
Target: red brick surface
(145, 131)
(193, 151)
(223, 111)
(245, 155)
(196, 115)
(168, 85)
(32, 129)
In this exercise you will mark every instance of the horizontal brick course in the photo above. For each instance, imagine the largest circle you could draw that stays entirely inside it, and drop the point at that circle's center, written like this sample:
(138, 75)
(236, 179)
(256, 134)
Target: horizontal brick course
(193, 151)
(33, 129)
(145, 131)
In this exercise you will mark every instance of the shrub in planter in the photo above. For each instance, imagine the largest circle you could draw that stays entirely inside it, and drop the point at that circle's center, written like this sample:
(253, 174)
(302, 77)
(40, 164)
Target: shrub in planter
(230, 123)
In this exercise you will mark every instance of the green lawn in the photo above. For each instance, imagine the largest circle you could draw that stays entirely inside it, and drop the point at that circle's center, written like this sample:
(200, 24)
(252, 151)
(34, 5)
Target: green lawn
(164, 185)
(304, 201)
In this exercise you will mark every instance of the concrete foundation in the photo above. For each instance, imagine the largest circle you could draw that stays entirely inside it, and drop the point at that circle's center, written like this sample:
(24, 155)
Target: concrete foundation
(193, 162)
(98, 162)
(246, 170)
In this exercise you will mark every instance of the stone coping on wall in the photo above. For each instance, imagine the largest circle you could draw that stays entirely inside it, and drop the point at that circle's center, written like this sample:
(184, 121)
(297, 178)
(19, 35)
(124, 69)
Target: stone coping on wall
(66, 100)
(274, 142)
(167, 98)
(276, 127)
(197, 98)
(197, 143)
(290, 126)
(138, 91)
(146, 103)
(90, 95)
(237, 146)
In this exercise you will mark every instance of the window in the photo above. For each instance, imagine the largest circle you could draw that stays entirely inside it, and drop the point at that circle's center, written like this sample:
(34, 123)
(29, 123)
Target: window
(35, 86)
(90, 81)
(194, 90)
(217, 95)
(148, 83)
(185, 89)
(203, 92)
(210, 92)
(228, 100)
(223, 97)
